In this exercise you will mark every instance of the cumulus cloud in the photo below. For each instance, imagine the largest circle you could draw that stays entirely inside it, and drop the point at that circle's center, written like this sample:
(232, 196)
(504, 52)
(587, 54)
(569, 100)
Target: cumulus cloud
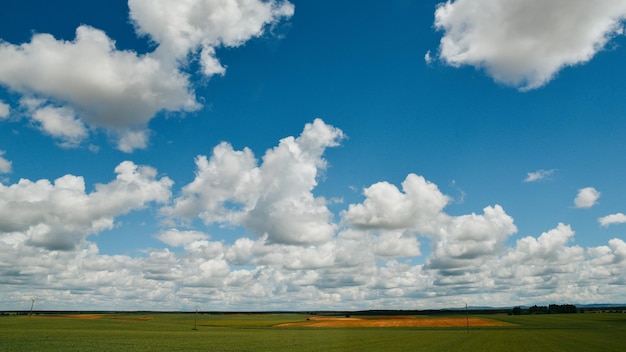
(59, 122)
(91, 79)
(538, 175)
(606, 265)
(186, 27)
(273, 199)
(59, 215)
(89, 82)
(396, 244)
(466, 240)
(460, 244)
(5, 165)
(372, 258)
(130, 139)
(586, 197)
(525, 43)
(547, 269)
(177, 238)
(357, 270)
(5, 109)
(417, 207)
(605, 221)
(549, 247)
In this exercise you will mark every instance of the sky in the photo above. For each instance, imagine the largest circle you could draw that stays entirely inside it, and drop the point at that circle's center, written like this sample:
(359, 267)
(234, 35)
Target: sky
(251, 155)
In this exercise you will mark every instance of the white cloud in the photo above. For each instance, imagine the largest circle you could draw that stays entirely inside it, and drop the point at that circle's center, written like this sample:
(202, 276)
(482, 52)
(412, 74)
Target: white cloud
(461, 245)
(272, 199)
(107, 88)
(546, 268)
(248, 252)
(538, 175)
(550, 247)
(177, 238)
(418, 207)
(428, 58)
(59, 215)
(181, 28)
(5, 165)
(59, 122)
(525, 43)
(131, 139)
(345, 273)
(372, 259)
(464, 241)
(586, 197)
(606, 265)
(396, 244)
(91, 83)
(5, 110)
(605, 221)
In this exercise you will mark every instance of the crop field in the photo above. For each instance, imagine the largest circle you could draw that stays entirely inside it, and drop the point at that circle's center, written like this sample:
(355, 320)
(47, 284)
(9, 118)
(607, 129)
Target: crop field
(298, 332)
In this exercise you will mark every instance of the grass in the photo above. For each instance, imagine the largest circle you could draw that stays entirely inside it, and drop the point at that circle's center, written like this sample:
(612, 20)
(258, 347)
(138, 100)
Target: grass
(173, 332)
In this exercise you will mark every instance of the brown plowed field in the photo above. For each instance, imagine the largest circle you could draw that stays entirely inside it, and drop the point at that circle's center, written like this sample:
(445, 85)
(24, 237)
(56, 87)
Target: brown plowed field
(388, 322)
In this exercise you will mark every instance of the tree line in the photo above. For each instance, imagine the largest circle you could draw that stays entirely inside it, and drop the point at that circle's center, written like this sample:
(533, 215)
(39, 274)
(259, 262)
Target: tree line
(551, 309)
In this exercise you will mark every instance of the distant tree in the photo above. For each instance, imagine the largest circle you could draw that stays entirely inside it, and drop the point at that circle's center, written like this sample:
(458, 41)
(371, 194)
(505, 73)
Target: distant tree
(517, 311)
(538, 310)
(562, 309)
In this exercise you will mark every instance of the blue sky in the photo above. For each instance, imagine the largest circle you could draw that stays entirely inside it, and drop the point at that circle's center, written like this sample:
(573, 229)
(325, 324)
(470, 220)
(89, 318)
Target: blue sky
(311, 154)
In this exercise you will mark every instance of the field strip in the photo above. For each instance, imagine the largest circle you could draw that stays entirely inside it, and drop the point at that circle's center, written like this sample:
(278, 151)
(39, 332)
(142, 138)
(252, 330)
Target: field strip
(120, 317)
(77, 316)
(387, 322)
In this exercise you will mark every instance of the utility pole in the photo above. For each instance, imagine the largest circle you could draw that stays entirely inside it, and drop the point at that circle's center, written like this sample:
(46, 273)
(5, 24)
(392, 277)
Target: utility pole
(32, 304)
(195, 322)
(467, 317)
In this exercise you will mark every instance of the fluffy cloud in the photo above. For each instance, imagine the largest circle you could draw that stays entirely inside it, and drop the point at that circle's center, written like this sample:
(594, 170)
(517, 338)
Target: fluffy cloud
(459, 243)
(5, 165)
(609, 257)
(181, 28)
(546, 250)
(462, 246)
(177, 238)
(5, 109)
(605, 221)
(342, 274)
(396, 244)
(525, 43)
(605, 268)
(273, 199)
(89, 77)
(538, 175)
(59, 122)
(59, 215)
(466, 240)
(586, 197)
(89, 82)
(546, 268)
(417, 207)
(428, 58)
(372, 259)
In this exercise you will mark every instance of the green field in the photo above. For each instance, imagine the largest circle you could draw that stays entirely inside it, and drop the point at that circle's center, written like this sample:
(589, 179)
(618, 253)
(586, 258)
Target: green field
(174, 332)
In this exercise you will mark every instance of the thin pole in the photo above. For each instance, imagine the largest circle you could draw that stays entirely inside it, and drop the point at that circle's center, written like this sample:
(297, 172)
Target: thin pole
(467, 317)
(32, 304)
(195, 322)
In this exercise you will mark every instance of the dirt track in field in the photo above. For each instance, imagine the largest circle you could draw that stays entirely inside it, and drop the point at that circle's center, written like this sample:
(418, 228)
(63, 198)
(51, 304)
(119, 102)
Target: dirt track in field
(389, 322)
